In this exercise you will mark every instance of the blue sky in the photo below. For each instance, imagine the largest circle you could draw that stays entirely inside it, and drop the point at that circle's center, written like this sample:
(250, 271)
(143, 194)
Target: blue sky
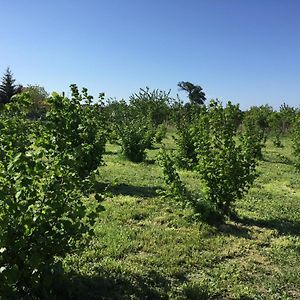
(244, 51)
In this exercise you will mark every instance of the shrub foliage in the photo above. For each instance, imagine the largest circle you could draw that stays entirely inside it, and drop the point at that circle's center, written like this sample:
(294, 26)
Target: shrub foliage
(43, 210)
(225, 161)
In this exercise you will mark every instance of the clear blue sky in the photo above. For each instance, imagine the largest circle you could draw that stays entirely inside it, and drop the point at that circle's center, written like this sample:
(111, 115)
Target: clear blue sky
(244, 51)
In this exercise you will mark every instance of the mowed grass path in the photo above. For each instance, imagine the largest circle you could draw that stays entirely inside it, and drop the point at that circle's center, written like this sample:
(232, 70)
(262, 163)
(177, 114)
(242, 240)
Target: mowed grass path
(149, 247)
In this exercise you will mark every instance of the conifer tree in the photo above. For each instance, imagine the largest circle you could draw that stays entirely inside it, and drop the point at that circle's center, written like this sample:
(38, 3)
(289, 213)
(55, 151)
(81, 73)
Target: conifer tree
(8, 88)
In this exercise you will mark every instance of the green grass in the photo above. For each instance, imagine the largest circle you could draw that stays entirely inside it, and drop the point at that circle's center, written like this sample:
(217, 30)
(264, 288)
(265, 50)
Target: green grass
(149, 247)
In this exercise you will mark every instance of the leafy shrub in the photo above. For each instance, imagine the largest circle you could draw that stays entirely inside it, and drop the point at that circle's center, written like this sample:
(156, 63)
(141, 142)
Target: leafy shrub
(42, 215)
(138, 124)
(186, 135)
(296, 141)
(13, 117)
(187, 131)
(225, 162)
(186, 153)
(76, 130)
(149, 134)
(115, 113)
(281, 121)
(259, 116)
(277, 142)
(134, 141)
(135, 132)
(38, 107)
(226, 165)
(151, 105)
(287, 118)
(254, 138)
(42, 209)
(178, 191)
(160, 133)
(176, 187)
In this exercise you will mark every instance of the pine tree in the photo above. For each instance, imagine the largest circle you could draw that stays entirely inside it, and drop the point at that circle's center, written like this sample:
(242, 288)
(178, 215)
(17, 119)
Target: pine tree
(8, 88)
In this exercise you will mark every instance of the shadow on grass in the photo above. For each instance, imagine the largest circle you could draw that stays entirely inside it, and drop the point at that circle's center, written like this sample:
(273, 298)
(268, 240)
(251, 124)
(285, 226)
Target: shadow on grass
(150, 161)
(127, 190)
(278, 159)
(235, 230)
(109, 152)
(283, 226)
(241, 226)
(106, 286)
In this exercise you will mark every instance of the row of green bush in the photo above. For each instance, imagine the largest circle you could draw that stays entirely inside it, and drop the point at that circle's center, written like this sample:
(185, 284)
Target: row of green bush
(48, 166)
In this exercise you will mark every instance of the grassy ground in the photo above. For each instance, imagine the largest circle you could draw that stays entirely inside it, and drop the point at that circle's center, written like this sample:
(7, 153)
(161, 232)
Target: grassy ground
(148, 247)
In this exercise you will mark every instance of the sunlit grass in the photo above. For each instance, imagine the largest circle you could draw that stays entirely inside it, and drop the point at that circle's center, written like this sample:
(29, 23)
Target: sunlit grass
(149, 247)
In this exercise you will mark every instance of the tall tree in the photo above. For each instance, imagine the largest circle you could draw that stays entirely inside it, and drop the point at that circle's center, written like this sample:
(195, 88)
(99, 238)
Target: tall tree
(38, 96)
(8, 88)
(195, 92)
